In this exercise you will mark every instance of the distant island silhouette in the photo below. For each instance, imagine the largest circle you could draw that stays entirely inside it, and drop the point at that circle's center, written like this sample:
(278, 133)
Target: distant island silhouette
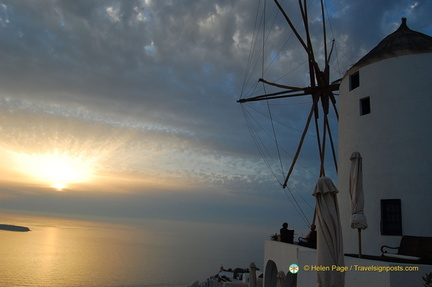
(14, 228)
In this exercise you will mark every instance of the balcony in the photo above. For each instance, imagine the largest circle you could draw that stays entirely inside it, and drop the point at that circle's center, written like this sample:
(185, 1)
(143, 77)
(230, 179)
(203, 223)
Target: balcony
(279, 256)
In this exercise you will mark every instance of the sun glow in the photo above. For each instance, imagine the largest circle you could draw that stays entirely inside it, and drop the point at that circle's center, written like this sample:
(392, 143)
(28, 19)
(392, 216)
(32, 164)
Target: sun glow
(57, 169)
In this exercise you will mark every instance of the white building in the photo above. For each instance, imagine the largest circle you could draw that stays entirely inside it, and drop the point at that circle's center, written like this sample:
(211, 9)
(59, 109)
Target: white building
(385, 114)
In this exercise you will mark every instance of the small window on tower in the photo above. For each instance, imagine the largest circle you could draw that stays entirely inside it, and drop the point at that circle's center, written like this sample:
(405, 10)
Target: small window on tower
(391, 217)
(365, 106)
(354, 81)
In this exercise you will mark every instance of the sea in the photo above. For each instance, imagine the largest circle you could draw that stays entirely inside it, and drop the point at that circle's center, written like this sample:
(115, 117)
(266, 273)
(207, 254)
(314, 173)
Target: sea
(65, 252)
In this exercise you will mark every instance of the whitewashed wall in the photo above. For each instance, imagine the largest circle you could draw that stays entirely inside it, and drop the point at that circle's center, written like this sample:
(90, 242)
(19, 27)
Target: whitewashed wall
(395, 141)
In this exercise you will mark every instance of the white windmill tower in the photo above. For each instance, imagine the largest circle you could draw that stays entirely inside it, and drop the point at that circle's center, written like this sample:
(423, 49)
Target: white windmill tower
(385, 114)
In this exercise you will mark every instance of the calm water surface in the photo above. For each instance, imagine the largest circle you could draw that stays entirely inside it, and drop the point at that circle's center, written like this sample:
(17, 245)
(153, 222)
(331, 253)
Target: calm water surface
(63, 252)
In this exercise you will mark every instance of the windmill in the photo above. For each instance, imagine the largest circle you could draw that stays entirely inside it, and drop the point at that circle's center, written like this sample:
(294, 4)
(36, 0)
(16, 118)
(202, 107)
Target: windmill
(322, 93)
(320, 89)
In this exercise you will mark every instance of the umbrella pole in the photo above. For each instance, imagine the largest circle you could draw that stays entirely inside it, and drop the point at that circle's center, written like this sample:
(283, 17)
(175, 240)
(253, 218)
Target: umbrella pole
(359, 241)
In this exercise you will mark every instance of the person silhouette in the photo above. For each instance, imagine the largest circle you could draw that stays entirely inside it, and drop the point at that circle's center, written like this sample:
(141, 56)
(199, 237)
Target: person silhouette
(311, 238)
(286, 234)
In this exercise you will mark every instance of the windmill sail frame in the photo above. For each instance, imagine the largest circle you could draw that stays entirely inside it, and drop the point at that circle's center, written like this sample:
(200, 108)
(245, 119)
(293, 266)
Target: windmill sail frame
(321, 89)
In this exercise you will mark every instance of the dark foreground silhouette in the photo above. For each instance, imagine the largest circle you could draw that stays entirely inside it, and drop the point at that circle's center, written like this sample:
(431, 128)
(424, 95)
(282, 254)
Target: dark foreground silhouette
(14, 228)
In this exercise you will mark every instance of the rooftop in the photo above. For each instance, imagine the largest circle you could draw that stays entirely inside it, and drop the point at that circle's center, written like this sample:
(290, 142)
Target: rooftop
(403, 41)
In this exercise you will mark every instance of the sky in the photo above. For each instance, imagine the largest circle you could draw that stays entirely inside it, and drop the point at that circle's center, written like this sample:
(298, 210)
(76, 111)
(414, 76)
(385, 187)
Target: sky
(129, 109)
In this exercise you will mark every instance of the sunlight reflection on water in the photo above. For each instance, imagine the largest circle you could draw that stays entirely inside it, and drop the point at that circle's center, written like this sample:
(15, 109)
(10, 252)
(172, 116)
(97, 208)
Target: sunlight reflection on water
(63, 253)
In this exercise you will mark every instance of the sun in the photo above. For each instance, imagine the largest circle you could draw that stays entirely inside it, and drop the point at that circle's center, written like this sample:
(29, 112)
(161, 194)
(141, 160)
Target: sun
(59, 186)
(56, 169)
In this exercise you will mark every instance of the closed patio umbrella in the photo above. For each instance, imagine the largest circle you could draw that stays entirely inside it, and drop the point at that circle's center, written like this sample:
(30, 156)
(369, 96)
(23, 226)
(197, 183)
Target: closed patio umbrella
(252, 275)
(280, 279)
(329, 233)
(358, 218)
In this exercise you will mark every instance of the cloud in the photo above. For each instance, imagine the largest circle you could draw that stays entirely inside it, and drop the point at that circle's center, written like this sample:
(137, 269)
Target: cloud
(149, 88)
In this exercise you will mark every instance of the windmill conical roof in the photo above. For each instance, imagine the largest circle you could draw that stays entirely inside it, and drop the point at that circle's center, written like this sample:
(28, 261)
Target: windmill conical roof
(403, 41)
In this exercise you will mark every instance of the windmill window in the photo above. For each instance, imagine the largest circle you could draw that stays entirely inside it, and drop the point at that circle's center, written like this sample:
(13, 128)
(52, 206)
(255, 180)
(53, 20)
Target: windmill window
(365, 106)
(391, 217)
(354, 81)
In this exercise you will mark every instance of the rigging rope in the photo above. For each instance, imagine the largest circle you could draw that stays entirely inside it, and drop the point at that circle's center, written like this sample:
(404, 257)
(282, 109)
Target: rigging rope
(275, 138)
(281, 148)
(300, 195)
(263, 41)
(339, 71)
(262, 150)
(252, 62)
(265, 155)
(251, 53)
(297, 206)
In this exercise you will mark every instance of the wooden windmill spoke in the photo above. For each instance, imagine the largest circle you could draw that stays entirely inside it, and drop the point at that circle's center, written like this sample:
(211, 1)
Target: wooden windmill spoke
(320, 89)
(296, 33)
(322, 155)
(324, 35)
(325, 100)
(332, 145)
(299, 147)
(333, 100)
(313, 67)
(318, 135)
(334, 106)
(292, 92)
(280, 86)
(272, 96)
(322, 148)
